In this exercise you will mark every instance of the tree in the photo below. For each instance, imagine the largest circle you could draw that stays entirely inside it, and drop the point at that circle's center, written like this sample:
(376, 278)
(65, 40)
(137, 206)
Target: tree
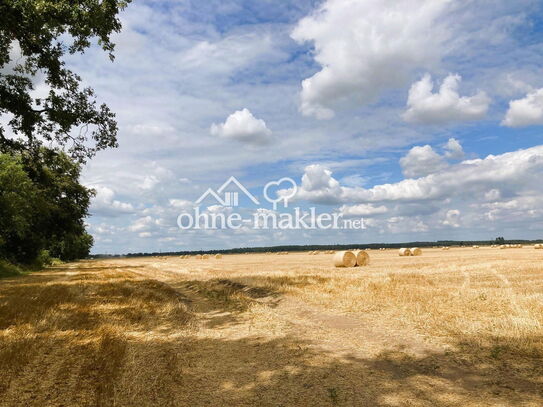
(43, 207)
(42, 203)
(64, 202)
(19, 198)
(34, 36)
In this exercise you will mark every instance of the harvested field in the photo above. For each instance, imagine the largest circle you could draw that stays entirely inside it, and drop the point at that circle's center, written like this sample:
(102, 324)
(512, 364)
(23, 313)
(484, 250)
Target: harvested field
(462, 328)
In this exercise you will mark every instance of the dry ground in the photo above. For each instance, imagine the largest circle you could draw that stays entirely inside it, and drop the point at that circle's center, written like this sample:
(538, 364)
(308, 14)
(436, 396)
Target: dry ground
(450, 328)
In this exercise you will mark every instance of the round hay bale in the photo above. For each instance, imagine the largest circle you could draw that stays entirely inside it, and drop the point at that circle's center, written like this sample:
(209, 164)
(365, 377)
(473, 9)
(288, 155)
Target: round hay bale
(218, 256)
(538, 246)
(205, 256)
(404, 252)
(503, 247)
(415, 251)
(345, 259)
(362, 258)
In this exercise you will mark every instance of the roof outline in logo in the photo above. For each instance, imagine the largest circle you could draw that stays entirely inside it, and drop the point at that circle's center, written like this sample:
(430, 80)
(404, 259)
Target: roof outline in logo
(227, 201)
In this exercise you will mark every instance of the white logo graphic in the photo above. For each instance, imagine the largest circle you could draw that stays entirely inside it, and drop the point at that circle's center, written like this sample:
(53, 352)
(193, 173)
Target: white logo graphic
(295, 219)
(284, 198)
(230, 198)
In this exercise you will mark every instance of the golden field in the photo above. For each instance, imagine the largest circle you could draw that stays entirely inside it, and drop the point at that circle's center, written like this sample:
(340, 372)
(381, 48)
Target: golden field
(461, 327)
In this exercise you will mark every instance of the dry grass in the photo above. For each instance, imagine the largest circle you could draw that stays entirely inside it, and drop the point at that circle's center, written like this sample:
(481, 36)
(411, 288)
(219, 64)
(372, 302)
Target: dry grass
(449, 328)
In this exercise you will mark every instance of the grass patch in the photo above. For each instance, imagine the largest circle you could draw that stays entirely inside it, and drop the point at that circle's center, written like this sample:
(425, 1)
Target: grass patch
(9, 270)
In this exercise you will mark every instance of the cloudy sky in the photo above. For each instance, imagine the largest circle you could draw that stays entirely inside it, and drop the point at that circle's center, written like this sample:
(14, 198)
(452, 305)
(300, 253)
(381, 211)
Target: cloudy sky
(424, 117)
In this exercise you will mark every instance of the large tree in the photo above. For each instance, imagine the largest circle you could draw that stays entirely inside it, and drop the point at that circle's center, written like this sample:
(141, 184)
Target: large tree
(42, 207)
(44, 140)
(34, 37)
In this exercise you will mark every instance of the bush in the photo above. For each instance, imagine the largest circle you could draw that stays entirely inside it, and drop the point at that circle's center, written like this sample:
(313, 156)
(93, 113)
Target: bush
(43, 259)
(8, 270)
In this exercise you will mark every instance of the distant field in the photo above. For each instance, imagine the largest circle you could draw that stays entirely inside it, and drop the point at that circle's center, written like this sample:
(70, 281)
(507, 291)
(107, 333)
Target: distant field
(462, 327)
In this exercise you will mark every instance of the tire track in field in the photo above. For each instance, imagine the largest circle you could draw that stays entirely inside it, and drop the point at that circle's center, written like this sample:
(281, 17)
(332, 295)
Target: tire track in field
(511, 293)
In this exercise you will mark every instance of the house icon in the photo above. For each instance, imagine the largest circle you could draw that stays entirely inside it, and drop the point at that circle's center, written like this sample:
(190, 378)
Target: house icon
(230, 198)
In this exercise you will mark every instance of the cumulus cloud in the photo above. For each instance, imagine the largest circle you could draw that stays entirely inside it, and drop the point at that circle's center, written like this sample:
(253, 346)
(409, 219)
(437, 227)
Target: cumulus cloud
(527, 111)
(244, 127)
(453, 149)
(105, 204)
(424, 106)
(424, 160)
(452, 218)
(318, 182)
(516, 172)
(420, 161)
(362, 210)
(181, 204)
(143, 224)
(365, 47)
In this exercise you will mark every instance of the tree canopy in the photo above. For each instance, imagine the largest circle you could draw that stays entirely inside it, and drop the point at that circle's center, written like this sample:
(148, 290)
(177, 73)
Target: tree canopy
(43, 207)
(34, 37)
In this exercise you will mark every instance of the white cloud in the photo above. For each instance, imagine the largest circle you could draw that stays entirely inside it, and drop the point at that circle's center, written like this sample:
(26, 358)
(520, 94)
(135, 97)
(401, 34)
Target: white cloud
(516, 172)
(526, 111)
(105, 204)
(362, 210)
(446, 105)
(493, 195)
(244, 127)
(181, 204)
(424, 160)
(365, 47)
(454, 150)
(318, 182)
(420, 161)
(143, 224)
(452, 218)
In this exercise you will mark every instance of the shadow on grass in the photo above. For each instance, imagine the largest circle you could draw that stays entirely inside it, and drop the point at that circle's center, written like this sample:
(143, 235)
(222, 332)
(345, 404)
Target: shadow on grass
(100, 339)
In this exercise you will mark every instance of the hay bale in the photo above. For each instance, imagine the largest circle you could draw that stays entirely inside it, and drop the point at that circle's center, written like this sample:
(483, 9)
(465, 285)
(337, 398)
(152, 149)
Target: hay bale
(415, 251)
(475, 246)
(404, 252)
(362, 258)
(205, 256)
(218, 256)
(345, 258)
(538, 246)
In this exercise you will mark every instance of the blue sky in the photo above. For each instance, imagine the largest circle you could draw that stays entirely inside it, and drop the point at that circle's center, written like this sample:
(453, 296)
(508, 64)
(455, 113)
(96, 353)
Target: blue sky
(422, 117)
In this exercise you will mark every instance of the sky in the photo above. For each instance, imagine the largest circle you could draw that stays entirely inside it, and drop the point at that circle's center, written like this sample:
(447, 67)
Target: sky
(423, 117)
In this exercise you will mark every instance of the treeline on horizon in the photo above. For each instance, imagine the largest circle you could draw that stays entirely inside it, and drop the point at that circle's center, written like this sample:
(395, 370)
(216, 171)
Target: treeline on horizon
(303, 248)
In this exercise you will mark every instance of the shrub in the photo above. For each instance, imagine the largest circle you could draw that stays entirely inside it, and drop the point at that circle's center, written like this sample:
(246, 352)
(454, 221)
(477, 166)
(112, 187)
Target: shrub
(8, 270)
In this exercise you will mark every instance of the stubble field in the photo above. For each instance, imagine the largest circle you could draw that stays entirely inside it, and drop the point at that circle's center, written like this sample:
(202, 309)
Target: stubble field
(462, 327)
